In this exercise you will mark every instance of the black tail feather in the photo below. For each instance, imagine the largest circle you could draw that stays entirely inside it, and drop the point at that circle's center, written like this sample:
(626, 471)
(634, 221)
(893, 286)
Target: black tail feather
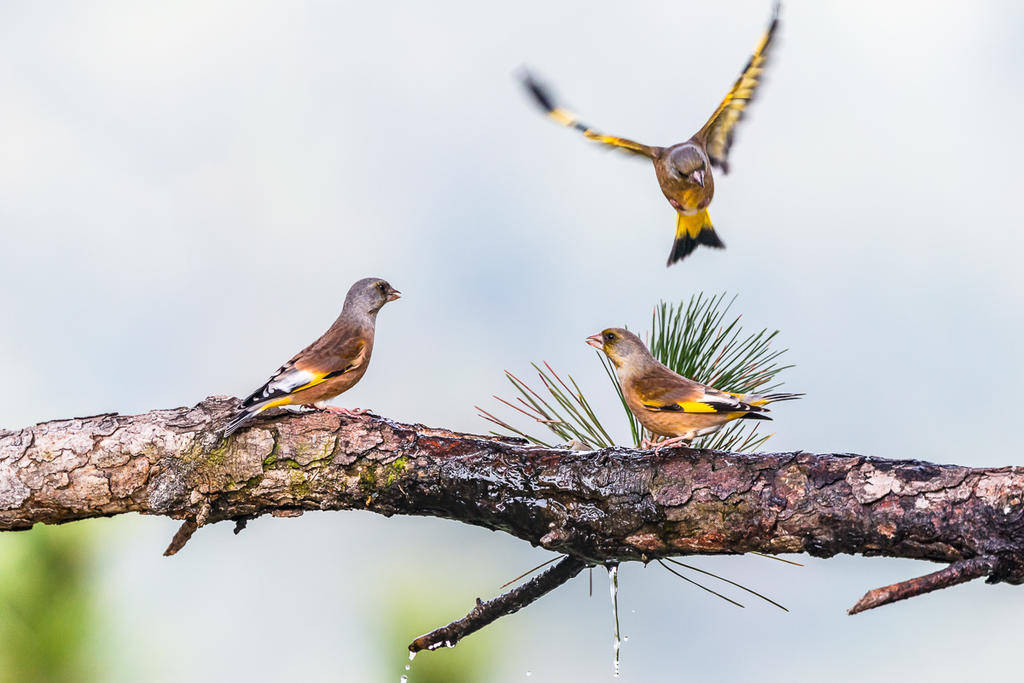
(239, 419)
(776, 398)
(755, 416)
(684, 245)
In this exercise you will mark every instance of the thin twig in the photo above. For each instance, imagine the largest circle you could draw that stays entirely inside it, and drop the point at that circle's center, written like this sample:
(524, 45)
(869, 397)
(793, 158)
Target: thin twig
(961, 571)
(486, 613)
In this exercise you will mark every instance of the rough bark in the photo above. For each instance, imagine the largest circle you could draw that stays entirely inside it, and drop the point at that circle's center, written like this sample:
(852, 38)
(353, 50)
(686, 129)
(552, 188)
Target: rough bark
(598, 507)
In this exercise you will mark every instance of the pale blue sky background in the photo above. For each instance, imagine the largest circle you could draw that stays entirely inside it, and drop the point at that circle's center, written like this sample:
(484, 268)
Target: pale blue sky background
(187, 191)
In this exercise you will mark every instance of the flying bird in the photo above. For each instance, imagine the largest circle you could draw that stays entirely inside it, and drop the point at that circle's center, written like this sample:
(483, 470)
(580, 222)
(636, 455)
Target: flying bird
(684, 169)
(329, 366)
(668, 404)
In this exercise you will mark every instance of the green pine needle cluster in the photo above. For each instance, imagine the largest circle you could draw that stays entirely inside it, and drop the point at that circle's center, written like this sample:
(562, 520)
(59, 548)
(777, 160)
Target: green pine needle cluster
(697, 339)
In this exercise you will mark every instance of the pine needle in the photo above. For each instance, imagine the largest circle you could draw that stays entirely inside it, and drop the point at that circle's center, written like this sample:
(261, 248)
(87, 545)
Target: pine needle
(776, 558)
(698, 585)
(530, 571)
(732, 583)
(697, 338)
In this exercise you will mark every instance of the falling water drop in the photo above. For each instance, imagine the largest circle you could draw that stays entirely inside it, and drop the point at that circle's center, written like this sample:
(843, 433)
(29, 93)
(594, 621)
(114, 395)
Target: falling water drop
(613, 588)
(405, 678)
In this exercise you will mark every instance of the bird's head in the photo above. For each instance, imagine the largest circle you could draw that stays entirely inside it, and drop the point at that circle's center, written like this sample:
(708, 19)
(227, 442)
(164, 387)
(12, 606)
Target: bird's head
(687, 164)
(621, 346)
(369, 295)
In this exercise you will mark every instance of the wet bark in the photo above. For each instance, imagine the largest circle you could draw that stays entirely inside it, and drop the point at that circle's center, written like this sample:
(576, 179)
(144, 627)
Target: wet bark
(598, 507)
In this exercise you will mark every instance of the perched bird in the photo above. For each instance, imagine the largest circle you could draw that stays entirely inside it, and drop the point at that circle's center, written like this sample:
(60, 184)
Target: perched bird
(668, 404)
(684, 170)
(329, 366)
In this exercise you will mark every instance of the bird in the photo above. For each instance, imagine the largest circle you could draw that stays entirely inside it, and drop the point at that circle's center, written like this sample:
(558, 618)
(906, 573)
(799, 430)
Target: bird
(668, 404)
(329, 366)
(683, 170)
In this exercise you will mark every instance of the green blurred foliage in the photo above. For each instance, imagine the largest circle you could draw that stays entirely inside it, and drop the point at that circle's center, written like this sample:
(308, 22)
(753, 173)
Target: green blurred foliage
(47, 611)
(408, 613)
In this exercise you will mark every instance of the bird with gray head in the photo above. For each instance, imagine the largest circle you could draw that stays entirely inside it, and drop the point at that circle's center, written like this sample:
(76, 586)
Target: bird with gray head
(684, 169)
(668, 404)
(329, 366)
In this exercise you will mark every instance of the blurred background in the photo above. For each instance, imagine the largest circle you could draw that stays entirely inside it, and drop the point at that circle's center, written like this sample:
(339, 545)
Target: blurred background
(188, 189)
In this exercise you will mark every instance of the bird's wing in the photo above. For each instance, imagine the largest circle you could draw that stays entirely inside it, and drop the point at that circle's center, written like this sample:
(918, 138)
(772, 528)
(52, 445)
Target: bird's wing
(310, 367)
(667, 391)
(567, 118)
(717, 133)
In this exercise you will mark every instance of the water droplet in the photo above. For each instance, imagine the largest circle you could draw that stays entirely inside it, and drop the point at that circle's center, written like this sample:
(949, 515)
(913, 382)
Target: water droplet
(529, 673)
(412, 656)
(613, 589)
(404, 679)
(408, 666)
(625, 639)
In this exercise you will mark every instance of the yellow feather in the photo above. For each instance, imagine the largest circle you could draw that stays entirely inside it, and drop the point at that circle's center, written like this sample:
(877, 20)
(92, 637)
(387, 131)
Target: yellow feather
(758, 402)
(696, 407)
(273, 404)
(692, 225)
(562, 116)
(319, 380)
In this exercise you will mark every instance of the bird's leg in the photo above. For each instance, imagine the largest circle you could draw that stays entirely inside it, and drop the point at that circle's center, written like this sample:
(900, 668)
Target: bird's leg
(648, 443)
(347, 412)
(674, 441)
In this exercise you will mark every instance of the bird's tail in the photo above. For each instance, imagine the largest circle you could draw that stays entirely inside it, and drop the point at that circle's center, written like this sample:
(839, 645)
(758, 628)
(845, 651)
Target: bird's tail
(245, 414)
(240, 418)
(691, 232)
(771, 398)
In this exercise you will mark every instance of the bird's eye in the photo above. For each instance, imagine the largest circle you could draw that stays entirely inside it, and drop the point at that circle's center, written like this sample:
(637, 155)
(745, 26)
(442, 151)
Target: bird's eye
(381, 286)
(609, 337)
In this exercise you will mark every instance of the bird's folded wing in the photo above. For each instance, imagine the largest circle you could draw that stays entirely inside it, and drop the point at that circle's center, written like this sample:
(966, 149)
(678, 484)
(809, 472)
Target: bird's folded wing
(670, 392)
(717, 133)
(308, 369)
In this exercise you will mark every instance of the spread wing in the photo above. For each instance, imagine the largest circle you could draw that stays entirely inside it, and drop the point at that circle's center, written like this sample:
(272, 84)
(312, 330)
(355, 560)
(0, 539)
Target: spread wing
(667, 391)
(717, 133)
(565, 117)
(310, 367)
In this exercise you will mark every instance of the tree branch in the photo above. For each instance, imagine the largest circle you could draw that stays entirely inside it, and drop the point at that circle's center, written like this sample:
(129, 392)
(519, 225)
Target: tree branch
(597, 507)
(508, 603)
(960, 571)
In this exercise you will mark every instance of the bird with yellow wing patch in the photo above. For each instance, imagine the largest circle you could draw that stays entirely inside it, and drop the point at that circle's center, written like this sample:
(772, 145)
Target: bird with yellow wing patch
(684, 170)
(668, 404)
(329, 366)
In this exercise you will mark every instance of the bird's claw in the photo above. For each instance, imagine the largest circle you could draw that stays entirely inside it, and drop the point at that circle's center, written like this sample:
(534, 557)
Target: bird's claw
(347, 412)
(668, 443)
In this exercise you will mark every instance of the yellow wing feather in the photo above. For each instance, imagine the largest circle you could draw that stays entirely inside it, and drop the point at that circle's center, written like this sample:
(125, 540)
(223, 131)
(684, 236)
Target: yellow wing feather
(567, 118)
(717, 133)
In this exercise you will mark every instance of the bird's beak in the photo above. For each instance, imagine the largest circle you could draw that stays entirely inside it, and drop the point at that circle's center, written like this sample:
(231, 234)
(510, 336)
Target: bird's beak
(698, 177)
(595, 341)
(395, 294)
